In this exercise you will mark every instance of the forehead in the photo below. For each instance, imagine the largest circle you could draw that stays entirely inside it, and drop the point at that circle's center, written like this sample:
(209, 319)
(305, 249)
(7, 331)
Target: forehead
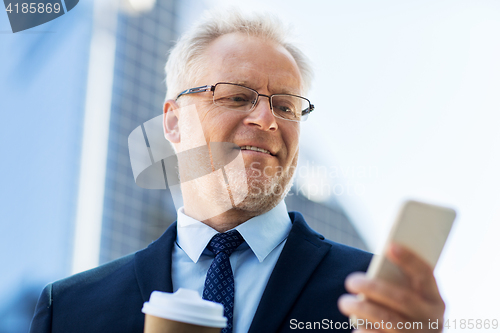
(251, 61)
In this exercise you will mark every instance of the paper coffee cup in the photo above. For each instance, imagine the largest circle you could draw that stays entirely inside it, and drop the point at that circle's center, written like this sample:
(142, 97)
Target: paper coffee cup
(182, 311)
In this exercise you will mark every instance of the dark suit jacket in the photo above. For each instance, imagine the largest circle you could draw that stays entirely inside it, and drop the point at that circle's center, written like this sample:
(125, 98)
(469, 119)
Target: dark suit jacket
(304, 287)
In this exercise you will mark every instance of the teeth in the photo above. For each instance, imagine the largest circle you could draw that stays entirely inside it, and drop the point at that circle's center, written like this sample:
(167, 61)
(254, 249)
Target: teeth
(256, 149)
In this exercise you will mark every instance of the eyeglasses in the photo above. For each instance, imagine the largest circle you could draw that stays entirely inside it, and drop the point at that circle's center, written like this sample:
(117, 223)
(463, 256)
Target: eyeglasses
(240, 98)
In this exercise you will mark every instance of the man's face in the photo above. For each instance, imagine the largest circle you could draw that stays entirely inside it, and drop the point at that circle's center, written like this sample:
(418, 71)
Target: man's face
(269, 69)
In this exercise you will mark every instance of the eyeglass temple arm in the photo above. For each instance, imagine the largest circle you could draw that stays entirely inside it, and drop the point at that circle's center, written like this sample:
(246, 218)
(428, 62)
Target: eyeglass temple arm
(308, 110)
(196, 90)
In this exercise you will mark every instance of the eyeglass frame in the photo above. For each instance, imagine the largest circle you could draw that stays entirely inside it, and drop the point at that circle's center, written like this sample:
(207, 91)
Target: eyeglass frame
(212, 89)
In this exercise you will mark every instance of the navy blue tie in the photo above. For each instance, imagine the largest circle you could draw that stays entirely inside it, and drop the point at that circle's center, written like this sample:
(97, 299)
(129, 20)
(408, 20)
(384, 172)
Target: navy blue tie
(219, 283)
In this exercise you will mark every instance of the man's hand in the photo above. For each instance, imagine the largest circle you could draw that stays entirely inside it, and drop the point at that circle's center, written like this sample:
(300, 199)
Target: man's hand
(390, 303)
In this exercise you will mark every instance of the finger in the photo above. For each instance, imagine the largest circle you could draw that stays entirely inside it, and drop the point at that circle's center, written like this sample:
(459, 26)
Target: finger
(420, 273)
(391, 296)
(374, 315)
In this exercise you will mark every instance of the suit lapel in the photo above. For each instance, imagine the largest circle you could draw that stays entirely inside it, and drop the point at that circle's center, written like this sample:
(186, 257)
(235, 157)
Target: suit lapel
(153, 265)
(301, 254)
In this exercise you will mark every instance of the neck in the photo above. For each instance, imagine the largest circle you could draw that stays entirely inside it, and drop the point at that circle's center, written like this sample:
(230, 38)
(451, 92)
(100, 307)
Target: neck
(215, 207)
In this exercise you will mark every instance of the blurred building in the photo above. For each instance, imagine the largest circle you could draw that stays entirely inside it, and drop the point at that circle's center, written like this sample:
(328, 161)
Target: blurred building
(133, 216)
(329, 220)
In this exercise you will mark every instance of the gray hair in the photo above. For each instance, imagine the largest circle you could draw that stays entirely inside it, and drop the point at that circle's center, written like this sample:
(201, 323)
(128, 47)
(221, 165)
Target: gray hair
(185, 63)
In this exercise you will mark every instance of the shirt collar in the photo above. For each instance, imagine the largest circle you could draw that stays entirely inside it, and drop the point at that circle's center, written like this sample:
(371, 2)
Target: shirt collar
(262, 233)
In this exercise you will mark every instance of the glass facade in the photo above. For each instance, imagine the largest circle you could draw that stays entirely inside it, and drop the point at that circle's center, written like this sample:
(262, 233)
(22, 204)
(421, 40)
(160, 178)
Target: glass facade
(132, 216)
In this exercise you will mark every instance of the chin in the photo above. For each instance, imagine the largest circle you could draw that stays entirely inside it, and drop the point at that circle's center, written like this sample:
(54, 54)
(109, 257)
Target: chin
(264, 192)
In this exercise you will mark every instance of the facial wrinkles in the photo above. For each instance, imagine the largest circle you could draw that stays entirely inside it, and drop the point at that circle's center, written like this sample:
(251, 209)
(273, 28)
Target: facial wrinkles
(274, 139)
(276, 78)
(268, 75)
(206, 112)
(279, 71)
(274, 81)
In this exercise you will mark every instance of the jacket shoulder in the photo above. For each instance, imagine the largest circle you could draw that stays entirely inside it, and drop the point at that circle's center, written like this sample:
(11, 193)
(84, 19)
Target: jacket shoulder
(98, 274)
(78, 302)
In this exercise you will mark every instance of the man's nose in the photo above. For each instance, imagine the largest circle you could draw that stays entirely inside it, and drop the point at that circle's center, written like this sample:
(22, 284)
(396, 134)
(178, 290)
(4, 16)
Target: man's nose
(262, 115)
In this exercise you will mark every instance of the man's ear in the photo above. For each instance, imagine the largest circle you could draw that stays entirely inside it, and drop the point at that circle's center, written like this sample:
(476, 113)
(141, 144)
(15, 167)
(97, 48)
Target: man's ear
(171, 121)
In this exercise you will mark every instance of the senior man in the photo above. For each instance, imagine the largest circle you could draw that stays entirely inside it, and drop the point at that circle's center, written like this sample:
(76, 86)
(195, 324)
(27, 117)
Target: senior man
(238, 80)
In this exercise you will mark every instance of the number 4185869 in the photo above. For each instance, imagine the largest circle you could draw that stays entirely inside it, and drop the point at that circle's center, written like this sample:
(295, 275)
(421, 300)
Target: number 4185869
(34, 7)
(471, 324)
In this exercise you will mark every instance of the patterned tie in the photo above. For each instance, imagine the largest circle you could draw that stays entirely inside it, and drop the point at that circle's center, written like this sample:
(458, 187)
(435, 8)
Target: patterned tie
(219, 284)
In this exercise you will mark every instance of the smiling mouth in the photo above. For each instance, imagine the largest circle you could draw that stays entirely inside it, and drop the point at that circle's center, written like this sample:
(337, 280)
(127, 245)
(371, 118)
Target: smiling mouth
(260, 150)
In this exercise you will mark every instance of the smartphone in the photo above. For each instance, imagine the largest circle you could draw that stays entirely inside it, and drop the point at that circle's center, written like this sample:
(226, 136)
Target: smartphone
(421, 227)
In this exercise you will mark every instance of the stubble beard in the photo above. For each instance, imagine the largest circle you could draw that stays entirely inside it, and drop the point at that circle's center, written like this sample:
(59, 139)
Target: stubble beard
(253, 191)
(265, 191)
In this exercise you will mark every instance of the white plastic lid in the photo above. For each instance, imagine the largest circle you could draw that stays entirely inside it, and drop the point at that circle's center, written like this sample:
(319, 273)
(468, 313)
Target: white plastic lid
(185, 306)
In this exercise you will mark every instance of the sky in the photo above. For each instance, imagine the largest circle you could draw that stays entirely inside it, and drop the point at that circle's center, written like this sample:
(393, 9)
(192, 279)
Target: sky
(42, 83)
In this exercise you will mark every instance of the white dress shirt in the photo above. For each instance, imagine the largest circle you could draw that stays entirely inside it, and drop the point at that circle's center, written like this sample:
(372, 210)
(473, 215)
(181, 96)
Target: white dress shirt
(252, 262)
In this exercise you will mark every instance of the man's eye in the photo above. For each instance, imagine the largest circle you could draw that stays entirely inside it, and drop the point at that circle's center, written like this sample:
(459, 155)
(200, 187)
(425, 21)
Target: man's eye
(284, 108)
(234, 99)
(239, 98)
